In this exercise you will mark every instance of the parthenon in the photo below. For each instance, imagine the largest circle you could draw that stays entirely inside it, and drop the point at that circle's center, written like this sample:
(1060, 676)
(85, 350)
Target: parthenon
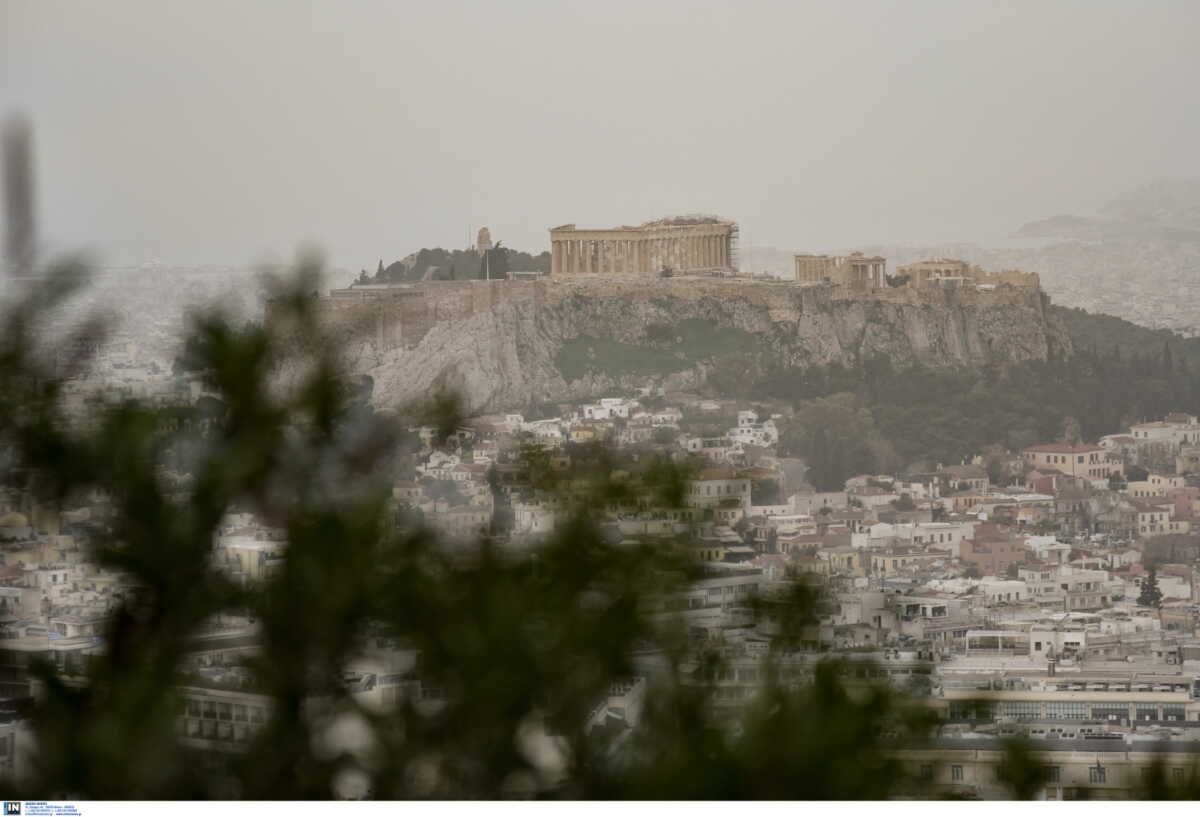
(676, 244)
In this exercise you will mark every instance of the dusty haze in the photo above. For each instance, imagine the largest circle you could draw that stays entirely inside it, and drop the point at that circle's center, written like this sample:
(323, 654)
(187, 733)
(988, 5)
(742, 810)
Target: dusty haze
(225, 132)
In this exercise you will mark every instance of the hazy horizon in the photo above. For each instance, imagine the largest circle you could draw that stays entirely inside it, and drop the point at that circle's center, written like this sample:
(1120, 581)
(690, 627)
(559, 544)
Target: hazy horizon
(226, 133)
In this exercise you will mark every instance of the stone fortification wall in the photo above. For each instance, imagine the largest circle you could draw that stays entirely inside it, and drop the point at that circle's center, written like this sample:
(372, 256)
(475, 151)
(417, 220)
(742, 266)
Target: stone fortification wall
(1008, 277)
(401, 317)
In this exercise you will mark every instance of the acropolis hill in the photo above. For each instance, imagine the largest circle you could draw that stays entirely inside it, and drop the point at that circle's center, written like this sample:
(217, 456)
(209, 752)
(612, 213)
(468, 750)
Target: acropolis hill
(661, 302)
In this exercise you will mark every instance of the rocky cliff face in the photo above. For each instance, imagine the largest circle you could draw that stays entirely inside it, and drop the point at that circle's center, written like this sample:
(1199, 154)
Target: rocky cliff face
(584, 342)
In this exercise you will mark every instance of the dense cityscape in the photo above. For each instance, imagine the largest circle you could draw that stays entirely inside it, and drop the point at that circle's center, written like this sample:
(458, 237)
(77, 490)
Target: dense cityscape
(898, 501)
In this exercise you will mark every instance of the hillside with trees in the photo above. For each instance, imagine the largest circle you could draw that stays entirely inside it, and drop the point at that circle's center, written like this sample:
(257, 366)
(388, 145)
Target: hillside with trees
(439, 264)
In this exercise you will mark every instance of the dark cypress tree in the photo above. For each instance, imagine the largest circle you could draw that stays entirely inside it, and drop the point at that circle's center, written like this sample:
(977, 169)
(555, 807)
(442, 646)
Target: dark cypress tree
(1151, 596)
(818, 460)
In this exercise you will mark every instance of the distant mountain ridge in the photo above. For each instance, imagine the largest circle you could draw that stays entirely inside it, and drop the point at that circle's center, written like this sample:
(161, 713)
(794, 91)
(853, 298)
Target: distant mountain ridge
(1164, 209)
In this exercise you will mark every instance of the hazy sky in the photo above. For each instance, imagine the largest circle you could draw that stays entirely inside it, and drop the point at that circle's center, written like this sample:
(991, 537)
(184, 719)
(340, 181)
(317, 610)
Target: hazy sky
(229, 132)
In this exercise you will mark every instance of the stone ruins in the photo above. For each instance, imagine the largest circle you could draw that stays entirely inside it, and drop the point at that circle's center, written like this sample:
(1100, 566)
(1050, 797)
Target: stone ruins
(950, 272)
(700, 255)
(856, 270)
(677, 245)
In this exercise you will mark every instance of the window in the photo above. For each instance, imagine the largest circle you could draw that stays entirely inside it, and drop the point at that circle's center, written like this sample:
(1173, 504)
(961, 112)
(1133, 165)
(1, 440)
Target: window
(1109, 712)
(1067, 711)
(926, 772)
(1053, 774)
(239, 713)
(1097, 774)
(1177, 776)
(956, 773)
(1021, 710)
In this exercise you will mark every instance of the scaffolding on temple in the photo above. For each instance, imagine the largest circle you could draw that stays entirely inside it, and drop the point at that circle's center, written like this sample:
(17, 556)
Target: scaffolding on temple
(733, 249)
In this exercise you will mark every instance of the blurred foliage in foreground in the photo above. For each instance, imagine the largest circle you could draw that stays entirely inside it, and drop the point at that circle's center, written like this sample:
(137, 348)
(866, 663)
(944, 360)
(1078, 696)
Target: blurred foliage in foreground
(517, 644)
